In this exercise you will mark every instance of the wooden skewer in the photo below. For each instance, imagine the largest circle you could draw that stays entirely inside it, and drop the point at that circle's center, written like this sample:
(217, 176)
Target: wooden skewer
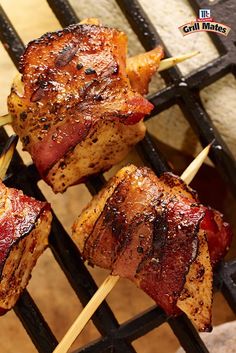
(6, 156)
(193, 167)
(5, 119)
(164, 65)
(169, 62)
(86, 314)
(111, 281)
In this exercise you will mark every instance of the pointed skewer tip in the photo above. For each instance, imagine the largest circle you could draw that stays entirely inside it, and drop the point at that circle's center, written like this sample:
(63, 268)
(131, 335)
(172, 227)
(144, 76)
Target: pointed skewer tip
(111, 281)
(169, 62)
(195, 165)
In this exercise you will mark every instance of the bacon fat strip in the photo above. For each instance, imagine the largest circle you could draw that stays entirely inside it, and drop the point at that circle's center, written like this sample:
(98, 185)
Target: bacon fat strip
(148, 229)
(75, 110)
(24, 228)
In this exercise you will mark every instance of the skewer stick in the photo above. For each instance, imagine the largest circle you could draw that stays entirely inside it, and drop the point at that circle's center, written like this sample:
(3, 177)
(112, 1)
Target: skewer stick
(111, 281)
(5, 119)
(195, 165)
(164, 65)
(169, 62)
(86, 314)
(6, 156)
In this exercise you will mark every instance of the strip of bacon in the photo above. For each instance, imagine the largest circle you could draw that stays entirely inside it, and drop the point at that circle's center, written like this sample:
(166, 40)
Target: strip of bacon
(153, 231)
(219, 234)
(72, 79)
(24, 229)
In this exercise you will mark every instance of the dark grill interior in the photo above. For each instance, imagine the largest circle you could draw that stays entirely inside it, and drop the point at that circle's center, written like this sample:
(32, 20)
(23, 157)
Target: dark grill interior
(115, 337)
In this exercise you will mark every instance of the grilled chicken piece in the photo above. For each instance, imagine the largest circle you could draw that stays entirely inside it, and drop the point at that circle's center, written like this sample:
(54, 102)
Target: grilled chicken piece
(196, 297)
(24, 229)
(74, 108)
(142, 67)
(153, 231)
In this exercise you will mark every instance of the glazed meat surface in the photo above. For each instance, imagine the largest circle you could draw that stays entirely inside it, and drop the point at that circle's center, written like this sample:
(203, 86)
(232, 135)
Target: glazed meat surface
(75, 100)
(149, 230)
(142, 67)
(24, 229)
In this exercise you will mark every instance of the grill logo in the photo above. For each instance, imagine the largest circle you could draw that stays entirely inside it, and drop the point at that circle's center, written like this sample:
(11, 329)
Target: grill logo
(204, 14)
(204, 23)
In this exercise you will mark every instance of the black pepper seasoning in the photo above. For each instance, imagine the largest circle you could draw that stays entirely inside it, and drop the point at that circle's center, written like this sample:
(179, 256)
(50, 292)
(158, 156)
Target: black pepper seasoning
(79, 66)
(140, 249)
(46, 126)
(90, 71)
(98, 98)
(23, 116)
(26, 140)
(62, 165)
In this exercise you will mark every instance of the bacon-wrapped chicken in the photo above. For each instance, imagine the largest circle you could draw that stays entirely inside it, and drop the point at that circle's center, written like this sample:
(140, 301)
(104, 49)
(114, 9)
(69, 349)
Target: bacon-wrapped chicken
(24, 229)
(155, 232)
(77, 108)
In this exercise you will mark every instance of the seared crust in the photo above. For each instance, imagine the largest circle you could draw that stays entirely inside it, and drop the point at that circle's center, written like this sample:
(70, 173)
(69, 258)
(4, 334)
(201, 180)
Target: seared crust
(196, 297)
(105, 145)
(21, 260)
(219, 234)
(85, 223)
(143, 226)
(18, 215)
(144, 223)
(24, 229)
(142, 67)
(154, 232)
(72, 79)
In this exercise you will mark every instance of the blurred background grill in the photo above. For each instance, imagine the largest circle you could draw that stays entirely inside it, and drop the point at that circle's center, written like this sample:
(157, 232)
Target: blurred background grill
(183, 91)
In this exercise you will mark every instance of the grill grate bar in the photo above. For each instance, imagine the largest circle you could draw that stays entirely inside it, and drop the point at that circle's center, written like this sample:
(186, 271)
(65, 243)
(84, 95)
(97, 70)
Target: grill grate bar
(146, 33)
(104, 345)
(10, 39)
(227, 278)
(25, 308)
(162, 100)
(141, 324)
(76, 272)
(151, 159)
(80, 279)
(219, 153)
(72, 265)
(68, 257)
(130, 330)
(152, 156)
(187, 335)
(34, 323)
(209, 73)
(95, 184)
(202, 126)
(203, 77)
(64, 12)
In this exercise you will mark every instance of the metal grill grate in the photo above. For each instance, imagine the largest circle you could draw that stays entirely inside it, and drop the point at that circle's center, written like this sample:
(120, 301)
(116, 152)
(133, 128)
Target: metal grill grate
(115, 337)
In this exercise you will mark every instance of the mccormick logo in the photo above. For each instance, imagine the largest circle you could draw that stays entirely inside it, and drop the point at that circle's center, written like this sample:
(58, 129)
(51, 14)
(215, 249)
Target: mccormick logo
(204, 23)
(205, 14)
